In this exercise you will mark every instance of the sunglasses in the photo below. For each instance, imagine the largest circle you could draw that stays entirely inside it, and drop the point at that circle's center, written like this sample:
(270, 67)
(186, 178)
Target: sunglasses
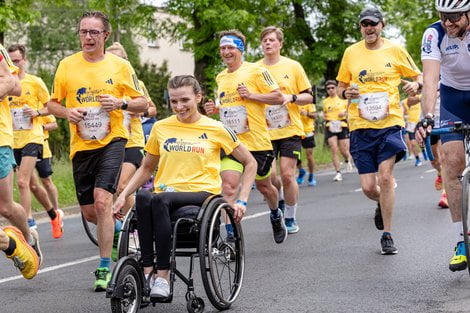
(452, 17)
(328, 88)
(369, 23)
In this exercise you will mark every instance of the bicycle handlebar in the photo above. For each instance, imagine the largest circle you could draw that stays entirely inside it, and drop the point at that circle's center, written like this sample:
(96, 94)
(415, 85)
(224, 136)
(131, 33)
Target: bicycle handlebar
(427, 140)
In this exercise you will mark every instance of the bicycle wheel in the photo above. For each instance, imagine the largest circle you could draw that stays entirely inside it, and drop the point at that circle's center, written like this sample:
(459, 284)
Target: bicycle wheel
(90, 230)
(222, 261)
(465, 203)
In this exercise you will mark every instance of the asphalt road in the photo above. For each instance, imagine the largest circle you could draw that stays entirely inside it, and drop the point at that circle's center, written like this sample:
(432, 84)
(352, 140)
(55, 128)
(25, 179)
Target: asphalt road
(332, 265)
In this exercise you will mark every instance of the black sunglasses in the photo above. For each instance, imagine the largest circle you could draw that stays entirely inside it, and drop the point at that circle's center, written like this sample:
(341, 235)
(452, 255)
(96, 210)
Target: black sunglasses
(369, 23)
(452, 17)
(328, 88)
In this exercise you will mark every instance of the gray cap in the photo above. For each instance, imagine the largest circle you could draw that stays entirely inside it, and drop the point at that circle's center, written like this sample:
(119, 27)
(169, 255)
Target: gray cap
(372, 14)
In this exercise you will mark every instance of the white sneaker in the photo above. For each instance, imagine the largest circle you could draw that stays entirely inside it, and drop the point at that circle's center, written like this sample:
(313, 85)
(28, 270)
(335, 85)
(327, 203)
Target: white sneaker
(338, 177)
(159, 288)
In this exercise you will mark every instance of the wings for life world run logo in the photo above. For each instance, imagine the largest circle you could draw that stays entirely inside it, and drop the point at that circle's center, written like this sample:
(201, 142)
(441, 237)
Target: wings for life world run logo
(87, 95)
(368, 76)
(178, 145)
(427, 44)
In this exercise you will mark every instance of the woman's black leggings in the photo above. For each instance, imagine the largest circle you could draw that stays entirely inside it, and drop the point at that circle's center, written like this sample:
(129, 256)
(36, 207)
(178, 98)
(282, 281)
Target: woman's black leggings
(153, 221)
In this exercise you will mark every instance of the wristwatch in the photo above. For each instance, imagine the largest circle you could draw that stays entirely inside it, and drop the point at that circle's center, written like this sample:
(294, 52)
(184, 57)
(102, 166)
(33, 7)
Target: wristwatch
(294, 98)
(124, 105)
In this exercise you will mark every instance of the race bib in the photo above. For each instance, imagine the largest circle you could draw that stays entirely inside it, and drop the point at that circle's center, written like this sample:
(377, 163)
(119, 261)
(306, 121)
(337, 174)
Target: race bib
(20, 121)
(127, 121)
(410, 127)
(235, 118)
(277, 116)
(373, 106)
(95, 125)
(335, 127)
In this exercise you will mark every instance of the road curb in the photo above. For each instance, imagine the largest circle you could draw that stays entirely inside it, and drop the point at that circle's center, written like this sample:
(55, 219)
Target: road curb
(71, 210)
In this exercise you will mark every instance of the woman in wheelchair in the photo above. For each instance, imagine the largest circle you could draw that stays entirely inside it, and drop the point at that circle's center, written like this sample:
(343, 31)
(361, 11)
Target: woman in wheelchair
(186, 148)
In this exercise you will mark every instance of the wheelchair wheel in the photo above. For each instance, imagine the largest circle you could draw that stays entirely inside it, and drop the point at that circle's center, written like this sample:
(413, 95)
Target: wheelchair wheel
(465, 204)
(90, 230)
(222, 262)
(195, 305)
(131, 297)
(128, 243)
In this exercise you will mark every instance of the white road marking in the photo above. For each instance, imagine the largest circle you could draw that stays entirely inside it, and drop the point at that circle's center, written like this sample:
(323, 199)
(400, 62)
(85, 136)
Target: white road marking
(52, 268)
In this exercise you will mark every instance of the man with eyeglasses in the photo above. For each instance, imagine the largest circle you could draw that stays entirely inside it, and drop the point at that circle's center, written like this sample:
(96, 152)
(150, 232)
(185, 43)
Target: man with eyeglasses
(93, 84)
(336, 131)
(369, 76)
(445, 55)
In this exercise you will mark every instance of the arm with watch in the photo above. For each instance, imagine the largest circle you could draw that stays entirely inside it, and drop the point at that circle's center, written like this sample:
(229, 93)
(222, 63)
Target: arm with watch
(135, 105)
(303, 98)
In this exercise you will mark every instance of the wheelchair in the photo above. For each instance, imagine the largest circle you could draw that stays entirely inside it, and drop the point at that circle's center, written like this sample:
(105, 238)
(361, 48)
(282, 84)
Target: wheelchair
(198, 232)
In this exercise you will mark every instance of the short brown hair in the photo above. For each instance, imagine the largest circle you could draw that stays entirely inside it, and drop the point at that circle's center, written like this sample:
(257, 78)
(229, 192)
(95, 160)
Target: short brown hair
(233, 32)
(99, 15)
(18, 47)
(183, 81)
(272, 29)
(331, 82)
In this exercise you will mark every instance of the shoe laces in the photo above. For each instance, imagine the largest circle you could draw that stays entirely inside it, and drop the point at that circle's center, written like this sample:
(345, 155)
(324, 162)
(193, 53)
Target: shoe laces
(101, 273)
(388, 241)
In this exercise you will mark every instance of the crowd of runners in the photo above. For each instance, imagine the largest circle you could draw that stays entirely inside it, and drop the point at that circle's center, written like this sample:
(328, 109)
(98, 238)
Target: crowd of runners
(267, 114)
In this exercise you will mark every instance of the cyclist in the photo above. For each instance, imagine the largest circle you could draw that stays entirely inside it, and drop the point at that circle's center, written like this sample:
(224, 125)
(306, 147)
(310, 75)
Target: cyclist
(376, 65)
(243, 90)
(29, 141)
(16, 241)
(336, 130)
(308, 113)
(94, 84)
(186, 148)
(445, 56)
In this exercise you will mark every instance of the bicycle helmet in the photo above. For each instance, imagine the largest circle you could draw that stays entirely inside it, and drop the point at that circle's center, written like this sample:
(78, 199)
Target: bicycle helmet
(452, 6)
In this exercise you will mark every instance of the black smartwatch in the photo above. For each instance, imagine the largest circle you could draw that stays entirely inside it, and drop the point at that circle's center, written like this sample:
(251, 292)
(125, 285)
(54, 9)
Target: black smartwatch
(294, 98)
(124, 105)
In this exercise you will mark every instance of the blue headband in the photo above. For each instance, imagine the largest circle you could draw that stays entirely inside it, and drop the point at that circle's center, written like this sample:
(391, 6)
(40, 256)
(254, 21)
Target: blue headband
(232, 41)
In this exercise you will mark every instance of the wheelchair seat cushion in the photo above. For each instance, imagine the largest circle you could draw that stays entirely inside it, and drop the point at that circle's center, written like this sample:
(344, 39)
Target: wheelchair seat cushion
(188, 211)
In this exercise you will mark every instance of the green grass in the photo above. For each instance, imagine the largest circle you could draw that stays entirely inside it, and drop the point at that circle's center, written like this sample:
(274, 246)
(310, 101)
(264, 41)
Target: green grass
(63, 180)
(63, 177)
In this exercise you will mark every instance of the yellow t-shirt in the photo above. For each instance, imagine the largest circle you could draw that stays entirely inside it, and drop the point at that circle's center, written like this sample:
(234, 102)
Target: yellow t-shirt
(332, 107)
(34, 94)
(136, 132)
(291, 78)
(245, 118)
(46, 151)
(413, 111)
(190, 153)
(377, 74)
(6, 124)
(308, 123)
(81, 83)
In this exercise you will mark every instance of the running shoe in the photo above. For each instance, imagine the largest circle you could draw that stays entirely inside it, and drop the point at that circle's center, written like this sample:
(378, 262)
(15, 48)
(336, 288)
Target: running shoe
(300, 178)
(438, 183)
(279, 228)
(418, 162)
(443, 201)
(459, 261)
(338, 177)
(159, 288)
(114, 252)
(379, 223)
(387, 245)
(291, 226)
(35, 245)
(102, 278)
(312, 181)
(57, 224)
(24, 257)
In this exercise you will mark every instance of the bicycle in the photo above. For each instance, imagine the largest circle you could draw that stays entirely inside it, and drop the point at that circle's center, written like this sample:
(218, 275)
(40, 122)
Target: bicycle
(464, 129)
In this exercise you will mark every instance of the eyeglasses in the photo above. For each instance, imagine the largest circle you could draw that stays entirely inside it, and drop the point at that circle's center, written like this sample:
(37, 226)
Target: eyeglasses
(17, 60)
(92, 32)
(328, 88)
(369, 23)
(452, 17)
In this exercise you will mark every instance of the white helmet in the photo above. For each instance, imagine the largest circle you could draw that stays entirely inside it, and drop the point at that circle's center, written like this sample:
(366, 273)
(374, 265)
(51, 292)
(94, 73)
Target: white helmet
(452, 6)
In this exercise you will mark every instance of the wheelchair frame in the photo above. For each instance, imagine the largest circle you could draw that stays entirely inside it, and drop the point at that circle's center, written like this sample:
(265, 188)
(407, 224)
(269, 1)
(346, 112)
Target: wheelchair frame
(128, 289)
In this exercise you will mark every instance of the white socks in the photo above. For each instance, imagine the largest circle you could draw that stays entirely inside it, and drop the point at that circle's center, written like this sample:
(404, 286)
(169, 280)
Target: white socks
(458, 230)
(291, 210)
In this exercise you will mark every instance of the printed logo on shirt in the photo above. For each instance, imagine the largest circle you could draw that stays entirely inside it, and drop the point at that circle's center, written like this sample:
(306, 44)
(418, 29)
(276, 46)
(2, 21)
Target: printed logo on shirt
(85, 95)
(179, 145)
(369, 76)
(452, 47)
(388, 65)
(468, 47)
(427, 44)
(286, 76)
(203, 136)
(28, 93)
(109, 81)
(229, 97)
